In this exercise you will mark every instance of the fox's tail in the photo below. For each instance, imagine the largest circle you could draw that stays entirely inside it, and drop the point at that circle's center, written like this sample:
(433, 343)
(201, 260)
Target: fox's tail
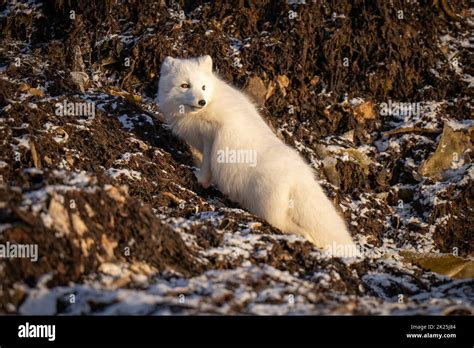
(313, 215)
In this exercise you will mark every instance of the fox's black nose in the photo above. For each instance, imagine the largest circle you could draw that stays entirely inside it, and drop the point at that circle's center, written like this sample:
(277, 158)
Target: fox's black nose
(202, 102)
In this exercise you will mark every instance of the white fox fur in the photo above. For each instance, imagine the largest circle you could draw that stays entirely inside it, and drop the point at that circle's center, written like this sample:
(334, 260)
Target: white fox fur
(280, 188)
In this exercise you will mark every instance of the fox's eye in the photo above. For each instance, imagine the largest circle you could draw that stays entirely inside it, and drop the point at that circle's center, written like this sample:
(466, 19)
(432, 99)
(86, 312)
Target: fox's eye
(185, 85)
(203, 88)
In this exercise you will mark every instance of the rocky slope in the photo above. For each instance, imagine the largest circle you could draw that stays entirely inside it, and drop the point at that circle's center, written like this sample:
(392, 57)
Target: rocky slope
(91, 175)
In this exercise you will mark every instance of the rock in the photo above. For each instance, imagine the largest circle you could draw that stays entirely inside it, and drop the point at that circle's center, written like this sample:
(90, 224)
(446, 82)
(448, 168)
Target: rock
(77, 61)
(349, 135)
(80, 79)
(130, 97)
(270, 90)
(329, 168)
(61, 136)
(314, 81)
(78, 225)
(121, 281)
(360, 158)
(142, 268)
(346, 154)
(257, 90)
(34, 155)
(283, 83)
(86, 245)
(47, 160)
(23, 88)
(89, 210)
(364, 111)
(26, 88)
(110, 269)
(36, 92)
(119, 195)
(446, 264)
(450, 153)
(108, 245)
(59, 215)
(139, 279)
(142, 145)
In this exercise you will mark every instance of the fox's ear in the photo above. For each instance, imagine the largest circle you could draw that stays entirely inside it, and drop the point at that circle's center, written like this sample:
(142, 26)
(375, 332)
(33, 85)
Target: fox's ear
(206, 62)
(168, 64)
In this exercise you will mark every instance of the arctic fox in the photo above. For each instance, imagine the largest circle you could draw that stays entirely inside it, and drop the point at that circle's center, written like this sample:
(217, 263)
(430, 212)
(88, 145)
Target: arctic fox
(242, 156)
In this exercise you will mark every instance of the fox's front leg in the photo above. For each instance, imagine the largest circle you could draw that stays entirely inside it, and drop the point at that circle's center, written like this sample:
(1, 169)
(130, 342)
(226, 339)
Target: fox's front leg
(204, 175)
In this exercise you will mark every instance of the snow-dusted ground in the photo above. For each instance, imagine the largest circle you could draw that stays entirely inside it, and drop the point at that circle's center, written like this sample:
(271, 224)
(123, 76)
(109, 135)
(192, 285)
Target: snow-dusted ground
(239, 264)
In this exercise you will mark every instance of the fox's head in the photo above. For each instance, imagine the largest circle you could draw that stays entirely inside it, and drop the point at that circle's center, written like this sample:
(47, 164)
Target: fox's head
(186, 85)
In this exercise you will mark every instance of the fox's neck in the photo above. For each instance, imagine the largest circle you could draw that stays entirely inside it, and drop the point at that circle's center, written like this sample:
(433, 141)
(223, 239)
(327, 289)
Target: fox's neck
(194, 128)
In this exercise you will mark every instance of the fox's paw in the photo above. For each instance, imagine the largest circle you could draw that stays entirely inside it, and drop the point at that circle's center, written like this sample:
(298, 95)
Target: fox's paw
(204, 180)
